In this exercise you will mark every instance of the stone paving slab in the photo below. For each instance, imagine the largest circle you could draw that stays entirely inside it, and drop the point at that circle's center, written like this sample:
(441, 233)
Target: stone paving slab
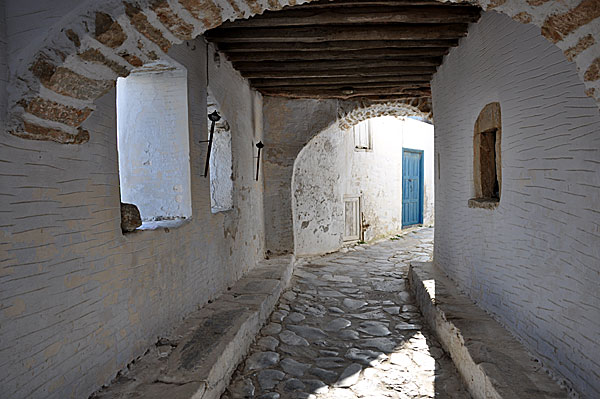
(348, 328)
(494, 364)
(198, 358)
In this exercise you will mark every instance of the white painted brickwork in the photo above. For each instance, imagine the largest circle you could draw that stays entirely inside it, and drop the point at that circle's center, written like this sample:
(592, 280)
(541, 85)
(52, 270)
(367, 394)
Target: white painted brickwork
(78, 299)
(535, 260)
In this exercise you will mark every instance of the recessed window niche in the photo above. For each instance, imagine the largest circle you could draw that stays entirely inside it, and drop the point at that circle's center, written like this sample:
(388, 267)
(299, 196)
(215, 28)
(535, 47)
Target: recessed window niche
(487, 169)
(221, 161)
(153, 144)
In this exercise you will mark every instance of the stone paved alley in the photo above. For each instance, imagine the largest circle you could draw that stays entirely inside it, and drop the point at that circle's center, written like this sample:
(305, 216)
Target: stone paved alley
(349, 328)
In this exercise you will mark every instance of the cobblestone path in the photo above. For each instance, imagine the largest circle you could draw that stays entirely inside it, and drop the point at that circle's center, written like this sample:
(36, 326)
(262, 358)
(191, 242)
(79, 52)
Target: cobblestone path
(348, 328)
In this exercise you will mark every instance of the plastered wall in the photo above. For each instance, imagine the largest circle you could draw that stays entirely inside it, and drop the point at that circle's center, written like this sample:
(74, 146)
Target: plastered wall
(329, 168)
(534, 262)
(153, 142)
(289, 126)
(78, 299)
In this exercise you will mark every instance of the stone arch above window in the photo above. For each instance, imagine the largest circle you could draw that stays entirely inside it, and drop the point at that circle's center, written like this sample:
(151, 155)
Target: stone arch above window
(487, 162)
(352, 113)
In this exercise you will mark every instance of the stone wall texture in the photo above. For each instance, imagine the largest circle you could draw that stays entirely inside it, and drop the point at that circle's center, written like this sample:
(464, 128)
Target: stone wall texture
(534, 261)
(79, 300)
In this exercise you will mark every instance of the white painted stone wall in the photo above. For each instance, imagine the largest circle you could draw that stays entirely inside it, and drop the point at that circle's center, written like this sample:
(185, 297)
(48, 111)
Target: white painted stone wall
(153, 142)
(534, 262)
(329, 168)
(289, 126)
(78, 299)
(221, 161)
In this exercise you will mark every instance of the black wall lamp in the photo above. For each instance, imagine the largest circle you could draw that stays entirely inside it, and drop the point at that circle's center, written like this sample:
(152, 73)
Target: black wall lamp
(260, 146)
(214, 118)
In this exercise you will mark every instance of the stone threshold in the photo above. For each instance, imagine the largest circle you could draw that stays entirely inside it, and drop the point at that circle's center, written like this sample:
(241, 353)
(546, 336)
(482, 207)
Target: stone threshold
(492, 363)
(199, 357)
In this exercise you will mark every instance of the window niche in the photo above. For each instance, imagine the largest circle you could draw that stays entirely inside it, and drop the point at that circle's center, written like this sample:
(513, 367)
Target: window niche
(363, 140)
(153, 144)
(221, 161)
(487, 169)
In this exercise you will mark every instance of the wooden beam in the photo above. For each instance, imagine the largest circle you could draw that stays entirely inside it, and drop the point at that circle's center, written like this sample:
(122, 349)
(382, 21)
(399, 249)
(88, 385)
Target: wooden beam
(421, 87)
(386, 98)
(359, 15)
(386, 3)
(337, 55)
(346, 81)
(329, 73)
(336, 33)
(244, 66)
(335, 46)
(339, 93)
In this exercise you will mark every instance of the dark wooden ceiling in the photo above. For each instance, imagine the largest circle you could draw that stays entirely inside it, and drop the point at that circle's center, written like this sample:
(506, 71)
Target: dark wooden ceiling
(374, 49)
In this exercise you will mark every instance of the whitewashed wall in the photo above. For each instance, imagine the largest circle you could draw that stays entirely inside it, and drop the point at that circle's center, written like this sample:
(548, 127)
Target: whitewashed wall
(78, 299)
(288, 126)
(328, 168)
(534, 262)
(153, 142)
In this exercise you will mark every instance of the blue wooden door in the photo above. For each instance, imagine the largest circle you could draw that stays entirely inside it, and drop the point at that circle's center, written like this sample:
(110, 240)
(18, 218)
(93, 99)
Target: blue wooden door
(412, 187)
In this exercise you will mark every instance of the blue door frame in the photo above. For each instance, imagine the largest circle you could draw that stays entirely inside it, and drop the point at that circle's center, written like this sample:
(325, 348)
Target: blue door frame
(412, 186)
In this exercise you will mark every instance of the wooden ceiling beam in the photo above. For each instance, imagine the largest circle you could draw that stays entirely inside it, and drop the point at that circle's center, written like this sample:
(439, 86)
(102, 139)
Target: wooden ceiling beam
(386, 3)
(335, 92)
(337, 55)
(330, 73)
(335, 33)
(348, 81)
(364, 64)
(335, 46)
(357, 86)
(359, 15)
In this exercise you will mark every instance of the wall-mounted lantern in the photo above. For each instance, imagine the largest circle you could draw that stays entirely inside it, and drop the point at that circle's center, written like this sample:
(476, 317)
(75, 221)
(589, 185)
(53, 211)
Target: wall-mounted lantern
(214, 118)
(260, 146)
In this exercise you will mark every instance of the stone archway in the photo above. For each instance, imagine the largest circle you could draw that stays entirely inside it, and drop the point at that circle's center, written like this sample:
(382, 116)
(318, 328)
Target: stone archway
(331, 172)
(363, 111)
(54, 85)
(288, 133)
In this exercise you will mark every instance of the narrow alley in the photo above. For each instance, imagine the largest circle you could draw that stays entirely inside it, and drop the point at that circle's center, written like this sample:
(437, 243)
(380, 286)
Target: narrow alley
(349, 328)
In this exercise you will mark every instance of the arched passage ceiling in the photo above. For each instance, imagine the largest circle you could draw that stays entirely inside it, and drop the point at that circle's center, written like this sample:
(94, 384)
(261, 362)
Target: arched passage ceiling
(373, 49)
(55, 80)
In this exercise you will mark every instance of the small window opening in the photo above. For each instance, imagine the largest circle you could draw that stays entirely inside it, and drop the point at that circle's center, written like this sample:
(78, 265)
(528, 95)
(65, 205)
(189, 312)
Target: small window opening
(363, 136)
(487, 172)
(221, 162)
(153, 144)
(489, 177)
(351, 218)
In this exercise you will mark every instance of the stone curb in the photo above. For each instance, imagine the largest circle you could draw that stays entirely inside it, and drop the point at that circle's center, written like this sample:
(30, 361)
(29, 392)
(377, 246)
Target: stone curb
(198, 359)
(492, 363)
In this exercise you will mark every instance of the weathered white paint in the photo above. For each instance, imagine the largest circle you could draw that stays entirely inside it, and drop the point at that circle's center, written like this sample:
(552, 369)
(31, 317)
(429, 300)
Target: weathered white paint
(221, 161)
(153, 143)
(289, 126)
(78, 299)
(534, 261)
(329, 168)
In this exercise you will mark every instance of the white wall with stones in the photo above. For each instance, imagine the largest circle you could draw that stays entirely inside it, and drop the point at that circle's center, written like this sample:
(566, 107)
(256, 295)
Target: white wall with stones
(534, 262)
(329, 168)
(79, 300)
